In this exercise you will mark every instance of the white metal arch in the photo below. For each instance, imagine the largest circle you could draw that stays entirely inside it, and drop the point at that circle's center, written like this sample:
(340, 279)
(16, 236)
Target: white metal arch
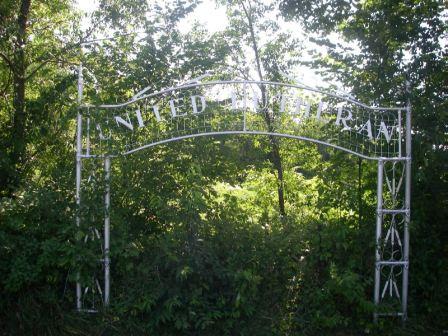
(385, 216)
(281, 135)
(212, 83)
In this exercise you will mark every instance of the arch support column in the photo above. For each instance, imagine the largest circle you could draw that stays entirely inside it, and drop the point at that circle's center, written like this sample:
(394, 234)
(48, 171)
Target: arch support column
(106, 231)
(393, 217)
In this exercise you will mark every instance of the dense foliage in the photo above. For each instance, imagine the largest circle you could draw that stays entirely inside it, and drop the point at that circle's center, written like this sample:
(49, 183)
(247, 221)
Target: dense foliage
(397, 41)
(226, 235)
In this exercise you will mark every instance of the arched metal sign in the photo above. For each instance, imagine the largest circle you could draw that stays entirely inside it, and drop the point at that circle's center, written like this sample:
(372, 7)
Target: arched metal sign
(211, 108)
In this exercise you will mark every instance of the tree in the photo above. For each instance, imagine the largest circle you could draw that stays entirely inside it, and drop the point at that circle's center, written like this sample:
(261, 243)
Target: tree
(270, 61)
(34, 38)
(397, 41)
(198, 246)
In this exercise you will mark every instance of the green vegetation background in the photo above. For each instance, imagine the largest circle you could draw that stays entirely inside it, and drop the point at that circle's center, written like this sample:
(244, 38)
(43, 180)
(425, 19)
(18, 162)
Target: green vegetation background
(198, 244)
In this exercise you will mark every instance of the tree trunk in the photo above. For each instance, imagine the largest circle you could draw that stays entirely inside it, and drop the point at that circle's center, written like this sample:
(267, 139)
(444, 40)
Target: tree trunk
(275, 148)
(18, 132)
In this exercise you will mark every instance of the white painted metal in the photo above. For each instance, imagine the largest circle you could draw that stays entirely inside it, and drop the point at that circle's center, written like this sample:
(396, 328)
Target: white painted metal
(88, 136)
(407, 204)
(78, 173)
(381, 213)
(400, 131)
(379, 223)
(386, 262)
(196, 80)
(211, 83)
(107, 232)
(261, 133)
(391, 245)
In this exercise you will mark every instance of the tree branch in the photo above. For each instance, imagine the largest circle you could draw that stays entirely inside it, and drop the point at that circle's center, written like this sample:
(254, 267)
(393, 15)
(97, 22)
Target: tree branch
(254, 41)
(7, 84)
(50, 60)
(40, 66)
(7, 60)
(275, 150)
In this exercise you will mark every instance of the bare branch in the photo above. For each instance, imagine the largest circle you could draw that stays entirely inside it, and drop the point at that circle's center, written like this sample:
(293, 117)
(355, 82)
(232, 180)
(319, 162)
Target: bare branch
(55, 58)
(7, 60)
(7, 84)
(40, 66)
(254, 41)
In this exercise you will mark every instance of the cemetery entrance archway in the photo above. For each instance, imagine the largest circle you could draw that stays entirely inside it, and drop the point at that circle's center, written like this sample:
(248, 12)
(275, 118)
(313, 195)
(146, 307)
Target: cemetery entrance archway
(197, 109)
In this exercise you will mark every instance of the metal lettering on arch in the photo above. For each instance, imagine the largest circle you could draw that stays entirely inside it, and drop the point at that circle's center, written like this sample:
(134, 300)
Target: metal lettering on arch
(213, 108)
(223, 107)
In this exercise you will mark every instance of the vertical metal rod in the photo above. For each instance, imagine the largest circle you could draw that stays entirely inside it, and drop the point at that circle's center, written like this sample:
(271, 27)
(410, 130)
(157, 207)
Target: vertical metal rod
(400, 131)
(78, 174)
(359, 192)
(244, 106)
(107, 232)
(379, 224)
(88, 134)
(407, 204)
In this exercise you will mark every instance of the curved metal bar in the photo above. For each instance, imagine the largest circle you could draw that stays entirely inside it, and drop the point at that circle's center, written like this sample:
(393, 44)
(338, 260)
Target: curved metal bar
(261, 133)
(304, 87)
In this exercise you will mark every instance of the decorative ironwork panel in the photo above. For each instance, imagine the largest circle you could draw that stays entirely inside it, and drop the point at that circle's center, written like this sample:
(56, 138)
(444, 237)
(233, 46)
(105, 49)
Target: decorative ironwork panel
(90, 235)
(243, 107)
(392, 220)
